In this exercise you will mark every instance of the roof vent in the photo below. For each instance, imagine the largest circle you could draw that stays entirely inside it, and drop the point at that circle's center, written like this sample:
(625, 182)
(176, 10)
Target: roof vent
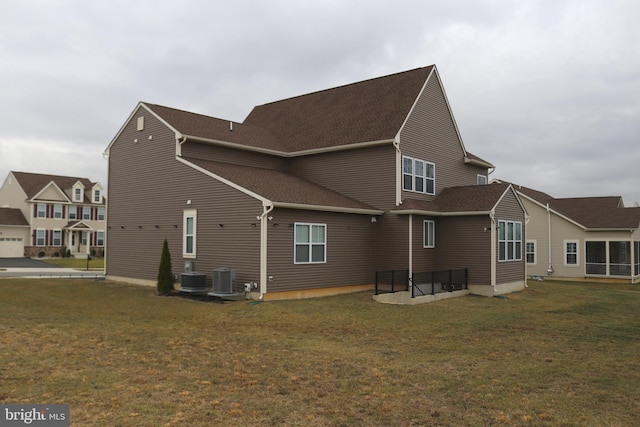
(230, 126)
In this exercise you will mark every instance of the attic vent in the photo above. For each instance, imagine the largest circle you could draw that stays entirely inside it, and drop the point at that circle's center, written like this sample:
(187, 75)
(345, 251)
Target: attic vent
(230, 126)
(141, 123)
(223, 280)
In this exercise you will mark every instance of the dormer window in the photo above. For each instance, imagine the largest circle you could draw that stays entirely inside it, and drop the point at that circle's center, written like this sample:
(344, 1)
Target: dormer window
(77, 194)
(97, 196)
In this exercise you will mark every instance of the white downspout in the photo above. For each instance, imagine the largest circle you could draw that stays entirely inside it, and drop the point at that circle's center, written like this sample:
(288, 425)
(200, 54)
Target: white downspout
(633, 258)
(494, 254)
(396, 145)
(526, 268)
(550, 268)
(263, 249)
(410, 245)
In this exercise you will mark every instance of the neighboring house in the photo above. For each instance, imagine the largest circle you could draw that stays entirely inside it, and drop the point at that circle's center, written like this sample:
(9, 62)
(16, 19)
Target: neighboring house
(63, 215)
(312, 195)
(14, 232)
(581, 238)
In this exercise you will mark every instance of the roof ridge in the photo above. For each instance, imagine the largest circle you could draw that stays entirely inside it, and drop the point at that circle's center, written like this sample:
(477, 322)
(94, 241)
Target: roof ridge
(344, 85)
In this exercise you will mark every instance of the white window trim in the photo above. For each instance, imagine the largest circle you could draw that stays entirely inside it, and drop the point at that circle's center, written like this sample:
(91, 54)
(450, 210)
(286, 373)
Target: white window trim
(73, 209)
(484, 179)
(53, 238)
(310, 244)
(77, 197)
(58, 209)
(535, 252)
(98, 238)
(425, 228)
(564, 245)
(189, 213)
(104, 214)
(44, 213)
(44, 236)
(413, 175)
(507, 240)
(85, 209)
(97, 194)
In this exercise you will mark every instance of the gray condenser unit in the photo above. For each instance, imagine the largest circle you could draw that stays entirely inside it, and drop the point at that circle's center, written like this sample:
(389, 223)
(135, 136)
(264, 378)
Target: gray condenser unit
(192, 281)
(223, 280)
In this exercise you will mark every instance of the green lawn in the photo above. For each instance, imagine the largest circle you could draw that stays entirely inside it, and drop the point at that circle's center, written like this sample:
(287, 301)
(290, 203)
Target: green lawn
(556, 354)
(81, 264)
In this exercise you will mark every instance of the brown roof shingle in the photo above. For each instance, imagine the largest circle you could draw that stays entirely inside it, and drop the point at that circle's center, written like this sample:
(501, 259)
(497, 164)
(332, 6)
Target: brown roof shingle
(370, 110)
(11, 216)
(198, 125)
(280, 187)
(591, 212)
(33, 183)
(465, 199)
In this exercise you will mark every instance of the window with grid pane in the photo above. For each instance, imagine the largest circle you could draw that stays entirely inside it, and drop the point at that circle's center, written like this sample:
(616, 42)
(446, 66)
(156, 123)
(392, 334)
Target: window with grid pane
(509, 241)
(310, 243)
(418, 175)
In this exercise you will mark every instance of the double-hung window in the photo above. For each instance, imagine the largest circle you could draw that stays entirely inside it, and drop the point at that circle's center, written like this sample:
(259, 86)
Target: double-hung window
(73, 212)
(41, 210)
(100, 238)
(86, 213)
(310, 243)
(418, 176)
(509, 240)
(57, 238)
(429, 234)
(97, 196)
(57, 211)
(41, 237)
(189, 227)
(571, 252)
(531, 251)
(102, 213)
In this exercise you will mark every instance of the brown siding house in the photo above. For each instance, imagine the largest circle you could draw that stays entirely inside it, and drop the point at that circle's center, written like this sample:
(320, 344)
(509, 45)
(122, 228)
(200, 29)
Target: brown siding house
(312, 195)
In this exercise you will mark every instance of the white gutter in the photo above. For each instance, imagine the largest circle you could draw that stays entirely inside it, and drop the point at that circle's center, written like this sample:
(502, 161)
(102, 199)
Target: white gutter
(437, 213)
(550, 268)
(494, 254)
(264, 218)
(285, 153)
(321, 208)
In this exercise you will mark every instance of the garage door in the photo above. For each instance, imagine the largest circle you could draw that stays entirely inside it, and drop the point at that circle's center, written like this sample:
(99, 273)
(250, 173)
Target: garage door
(11, 247)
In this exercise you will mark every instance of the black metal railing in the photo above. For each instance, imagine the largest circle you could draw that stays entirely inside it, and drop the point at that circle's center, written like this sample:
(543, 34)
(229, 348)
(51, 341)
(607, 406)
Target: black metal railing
(437, 282)
(428, 283)
(391, 281)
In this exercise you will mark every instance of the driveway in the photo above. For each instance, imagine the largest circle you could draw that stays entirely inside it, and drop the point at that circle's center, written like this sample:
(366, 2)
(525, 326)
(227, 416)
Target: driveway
(26, 267)
(24, 263)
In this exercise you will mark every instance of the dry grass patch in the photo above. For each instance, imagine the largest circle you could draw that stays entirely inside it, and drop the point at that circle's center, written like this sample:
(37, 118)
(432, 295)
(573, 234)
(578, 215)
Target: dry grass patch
(555, 354)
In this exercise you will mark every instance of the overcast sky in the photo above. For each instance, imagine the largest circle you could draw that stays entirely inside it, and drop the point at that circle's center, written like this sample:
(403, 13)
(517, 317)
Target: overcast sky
(548, 91)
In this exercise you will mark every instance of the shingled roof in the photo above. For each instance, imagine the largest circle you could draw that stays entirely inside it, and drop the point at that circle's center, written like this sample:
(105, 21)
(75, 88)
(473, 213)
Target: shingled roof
(33, 183)
(11, 216)
(370, 110)
(211, 128)
(459, 200)
(282, 188)
(591, 212)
